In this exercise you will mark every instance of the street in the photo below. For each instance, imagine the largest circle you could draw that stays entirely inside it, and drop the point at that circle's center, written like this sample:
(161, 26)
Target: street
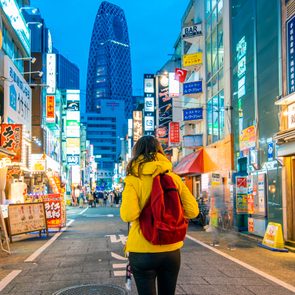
(90, 251)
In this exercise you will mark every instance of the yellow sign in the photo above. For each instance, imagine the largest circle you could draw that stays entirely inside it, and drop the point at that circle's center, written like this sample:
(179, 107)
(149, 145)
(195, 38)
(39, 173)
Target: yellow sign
(192, 59)
(248, 138)
(273, 237)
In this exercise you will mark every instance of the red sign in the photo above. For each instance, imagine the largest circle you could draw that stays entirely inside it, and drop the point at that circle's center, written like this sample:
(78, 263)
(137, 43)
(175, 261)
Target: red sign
(174, 133)
(50, 108)
(11, 139)
(53, 209)
(180, 75)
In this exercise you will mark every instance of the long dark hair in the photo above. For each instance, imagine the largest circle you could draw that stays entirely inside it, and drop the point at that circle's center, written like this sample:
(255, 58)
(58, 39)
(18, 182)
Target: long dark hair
(148, 147)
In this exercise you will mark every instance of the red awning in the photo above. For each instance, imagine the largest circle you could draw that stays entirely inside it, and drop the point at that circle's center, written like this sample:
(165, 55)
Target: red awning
(190, 164)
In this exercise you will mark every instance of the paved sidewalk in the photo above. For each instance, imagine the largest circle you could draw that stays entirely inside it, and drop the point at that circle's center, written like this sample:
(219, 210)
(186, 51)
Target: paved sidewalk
(84, 255)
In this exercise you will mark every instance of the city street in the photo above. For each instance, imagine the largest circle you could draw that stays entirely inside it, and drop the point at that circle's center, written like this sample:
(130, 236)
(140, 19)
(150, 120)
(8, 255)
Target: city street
(90, 251)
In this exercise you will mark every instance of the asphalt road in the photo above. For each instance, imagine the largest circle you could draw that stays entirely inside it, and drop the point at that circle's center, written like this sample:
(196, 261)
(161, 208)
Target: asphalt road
(90, 251)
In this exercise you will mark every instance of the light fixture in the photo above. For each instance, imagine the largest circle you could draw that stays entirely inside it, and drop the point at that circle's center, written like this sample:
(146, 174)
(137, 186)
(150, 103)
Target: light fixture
(34, 10)
(3, 78)
(39, 25)
(31, 58)
(38, 85)
(40, 73)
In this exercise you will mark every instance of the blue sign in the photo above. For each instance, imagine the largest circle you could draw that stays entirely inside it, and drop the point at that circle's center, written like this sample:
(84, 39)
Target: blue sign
(193, 114)
(291, 54)
(270, 150)
(192, 87)
(13, 97)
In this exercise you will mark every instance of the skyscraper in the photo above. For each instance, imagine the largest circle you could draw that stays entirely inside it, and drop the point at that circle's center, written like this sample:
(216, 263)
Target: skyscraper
(109, 64)
(109, 89)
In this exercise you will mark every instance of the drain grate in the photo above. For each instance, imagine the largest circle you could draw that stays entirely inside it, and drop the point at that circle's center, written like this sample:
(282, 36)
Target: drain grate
(92, 290)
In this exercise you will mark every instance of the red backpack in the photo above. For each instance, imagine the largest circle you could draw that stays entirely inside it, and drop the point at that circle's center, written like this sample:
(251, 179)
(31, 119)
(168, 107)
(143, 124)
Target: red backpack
(162, 219)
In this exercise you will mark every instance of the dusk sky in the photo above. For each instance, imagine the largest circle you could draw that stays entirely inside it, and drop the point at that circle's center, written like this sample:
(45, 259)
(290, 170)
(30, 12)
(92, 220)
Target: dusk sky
(153, 26)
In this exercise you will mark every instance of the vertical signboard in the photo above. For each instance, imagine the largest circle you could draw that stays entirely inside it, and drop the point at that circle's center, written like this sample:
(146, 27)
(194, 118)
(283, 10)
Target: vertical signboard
(137, 125)
(73, 131)
(149, 104)
(17, 97)
(291, 54)
(50, 108)
(51, 73)
(174, 134)
(165, 110)
(11, 139)
(241, 194)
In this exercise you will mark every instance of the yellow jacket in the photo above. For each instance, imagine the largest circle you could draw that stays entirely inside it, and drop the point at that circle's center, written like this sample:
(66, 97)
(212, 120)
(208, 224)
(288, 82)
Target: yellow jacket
(135, 195)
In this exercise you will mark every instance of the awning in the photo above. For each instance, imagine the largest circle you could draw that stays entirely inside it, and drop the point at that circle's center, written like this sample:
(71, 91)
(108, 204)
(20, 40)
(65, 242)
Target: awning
(190, 164)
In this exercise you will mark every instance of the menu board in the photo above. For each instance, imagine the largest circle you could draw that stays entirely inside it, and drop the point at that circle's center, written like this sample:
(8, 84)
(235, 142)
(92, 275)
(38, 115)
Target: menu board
(26, 217)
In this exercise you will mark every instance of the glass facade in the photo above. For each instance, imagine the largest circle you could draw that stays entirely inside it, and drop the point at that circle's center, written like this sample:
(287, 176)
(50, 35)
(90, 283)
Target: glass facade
(214, 70)
(255, 86)
(109, 63)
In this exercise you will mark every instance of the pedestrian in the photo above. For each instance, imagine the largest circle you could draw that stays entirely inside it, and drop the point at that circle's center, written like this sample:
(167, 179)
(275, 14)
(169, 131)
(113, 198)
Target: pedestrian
(151, 262)
(105, 198)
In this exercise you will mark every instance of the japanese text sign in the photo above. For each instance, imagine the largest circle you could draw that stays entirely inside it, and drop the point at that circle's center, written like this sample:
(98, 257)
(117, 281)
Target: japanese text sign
(11, 139)
(192, 59)
(53, 209)
(174, 133)
(50, 108)
(193, 114)
(192, 87)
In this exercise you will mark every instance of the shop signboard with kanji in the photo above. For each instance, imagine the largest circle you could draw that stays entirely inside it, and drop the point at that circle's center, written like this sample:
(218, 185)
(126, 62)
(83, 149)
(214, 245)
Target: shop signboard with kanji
(11, 139)
(174, 133)
(50, 108)
(55, 211)
(193, 114)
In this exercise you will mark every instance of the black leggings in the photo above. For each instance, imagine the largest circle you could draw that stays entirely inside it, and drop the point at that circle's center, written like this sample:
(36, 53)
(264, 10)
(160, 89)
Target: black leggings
(146, 267)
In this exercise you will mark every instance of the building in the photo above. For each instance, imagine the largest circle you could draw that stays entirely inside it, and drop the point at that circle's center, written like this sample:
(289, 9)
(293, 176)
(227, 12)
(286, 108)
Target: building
(256, 84)
(285, 138)
(109, 84)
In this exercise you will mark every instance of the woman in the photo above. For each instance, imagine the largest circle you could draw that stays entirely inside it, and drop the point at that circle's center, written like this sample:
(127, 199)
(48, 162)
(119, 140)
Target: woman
(150, 262)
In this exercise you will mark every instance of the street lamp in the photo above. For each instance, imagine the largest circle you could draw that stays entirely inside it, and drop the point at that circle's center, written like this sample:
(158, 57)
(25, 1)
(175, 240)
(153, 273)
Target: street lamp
(31, 58)
(40, 73)
(34, 10)
(39, 25)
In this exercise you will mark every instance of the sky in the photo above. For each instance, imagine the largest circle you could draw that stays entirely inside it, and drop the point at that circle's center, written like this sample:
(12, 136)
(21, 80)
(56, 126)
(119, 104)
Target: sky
(153, 25)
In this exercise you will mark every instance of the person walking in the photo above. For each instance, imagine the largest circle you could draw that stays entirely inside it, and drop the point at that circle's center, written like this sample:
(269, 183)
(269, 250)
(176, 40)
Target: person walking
(151, 262)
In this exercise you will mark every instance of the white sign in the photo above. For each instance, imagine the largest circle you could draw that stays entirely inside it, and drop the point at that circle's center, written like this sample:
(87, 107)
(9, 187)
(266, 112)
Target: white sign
(192, 31)
(51, 73)
(149, 104)
(291, 116)
(173, 85)
(149, 85)
(18, 23)
(149, 124)
(18, 96)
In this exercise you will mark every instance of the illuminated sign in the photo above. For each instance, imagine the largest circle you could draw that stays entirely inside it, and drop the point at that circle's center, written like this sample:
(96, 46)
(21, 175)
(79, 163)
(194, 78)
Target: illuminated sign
(192, 31)
(290, 47)
(149, 104)
(51, 73)
(50, 108)
(73, 160)
(149, 123)
(192, 59)
(192, 87)
(248, 138)
(149, 85)
(18, 23)
(18, 108)
(137, 125)
(73, 146)
(174, 133)
(173, 85)
(193, 114)
(11, 139)
(291, 115)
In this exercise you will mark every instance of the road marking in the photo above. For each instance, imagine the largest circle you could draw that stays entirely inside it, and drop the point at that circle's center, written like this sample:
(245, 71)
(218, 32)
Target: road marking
(119, 265)
(114, 239)
(33, 256)
(252, 268)
(119, 273)
(4, 282)
(83, 211)
(119, 257)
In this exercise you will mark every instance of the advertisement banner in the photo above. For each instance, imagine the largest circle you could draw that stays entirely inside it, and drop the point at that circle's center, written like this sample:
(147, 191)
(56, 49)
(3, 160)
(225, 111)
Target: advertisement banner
(11, 139)
(50, 108)
(17, 97)
(192, 87)
(149, 123)
(53, 204)
(51, 73)
(173, 85)
(241, 194)
(137, 125)
(149, 104)
(248, 138)
(174, 133)
(193, 114)
(192, 59)
(165, 110)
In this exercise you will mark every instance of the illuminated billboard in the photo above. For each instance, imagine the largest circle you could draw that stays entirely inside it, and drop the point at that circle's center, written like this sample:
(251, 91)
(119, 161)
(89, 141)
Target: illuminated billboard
(51, 73)
(137, 125)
